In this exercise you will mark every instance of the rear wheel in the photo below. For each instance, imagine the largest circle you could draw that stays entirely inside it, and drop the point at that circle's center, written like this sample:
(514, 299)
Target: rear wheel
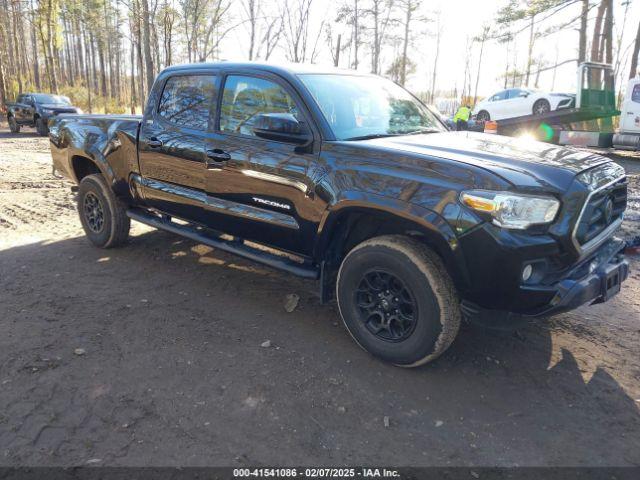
(397, 300)
(13, 125)
(541, 107)
(483, 116)
(41, 127)
(104, 218)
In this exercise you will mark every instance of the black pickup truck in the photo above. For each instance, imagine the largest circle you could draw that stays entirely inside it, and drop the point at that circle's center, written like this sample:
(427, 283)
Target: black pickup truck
(35, 110)
(349, 179)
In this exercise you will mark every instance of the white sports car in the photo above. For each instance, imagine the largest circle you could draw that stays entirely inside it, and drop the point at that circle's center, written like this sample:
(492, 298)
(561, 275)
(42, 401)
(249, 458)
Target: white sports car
(518, 102)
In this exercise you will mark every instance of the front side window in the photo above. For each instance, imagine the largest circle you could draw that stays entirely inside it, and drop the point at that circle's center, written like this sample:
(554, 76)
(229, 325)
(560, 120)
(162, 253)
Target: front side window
(516, 93)
(244, 99)
(635, 93)
(357, 106)
(187, 99)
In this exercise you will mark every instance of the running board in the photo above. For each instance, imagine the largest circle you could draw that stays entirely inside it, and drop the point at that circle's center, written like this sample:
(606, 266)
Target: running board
(214, 240)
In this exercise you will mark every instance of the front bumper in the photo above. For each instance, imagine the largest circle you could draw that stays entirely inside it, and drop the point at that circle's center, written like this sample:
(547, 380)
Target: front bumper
(605, 273)
(594, 280)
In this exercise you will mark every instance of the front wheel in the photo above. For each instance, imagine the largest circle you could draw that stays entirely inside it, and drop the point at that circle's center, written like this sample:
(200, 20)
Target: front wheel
(483, 116)
(41, 127)
(541, 107)
(104, 218)
(13, 125)
(397, 300)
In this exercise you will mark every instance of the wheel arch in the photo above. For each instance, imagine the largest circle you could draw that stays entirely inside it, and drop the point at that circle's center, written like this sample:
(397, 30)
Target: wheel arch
(352, 222)
(83, 166)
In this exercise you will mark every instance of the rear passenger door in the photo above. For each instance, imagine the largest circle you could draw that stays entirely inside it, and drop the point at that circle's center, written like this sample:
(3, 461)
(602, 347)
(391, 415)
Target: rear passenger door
(172, 144)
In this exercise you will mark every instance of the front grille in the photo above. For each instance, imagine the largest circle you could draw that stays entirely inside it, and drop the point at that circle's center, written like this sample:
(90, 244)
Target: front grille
(604, 208)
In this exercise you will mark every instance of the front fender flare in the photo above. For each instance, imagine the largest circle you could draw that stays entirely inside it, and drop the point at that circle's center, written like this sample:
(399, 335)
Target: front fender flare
(433, 227)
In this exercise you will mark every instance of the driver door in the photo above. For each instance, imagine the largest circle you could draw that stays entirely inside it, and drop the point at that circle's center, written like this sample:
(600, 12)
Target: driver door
(259, 189)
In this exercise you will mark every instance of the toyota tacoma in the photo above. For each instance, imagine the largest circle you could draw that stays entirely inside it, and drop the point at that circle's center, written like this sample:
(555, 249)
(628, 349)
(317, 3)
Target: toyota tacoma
(349, 179)
(35, 110)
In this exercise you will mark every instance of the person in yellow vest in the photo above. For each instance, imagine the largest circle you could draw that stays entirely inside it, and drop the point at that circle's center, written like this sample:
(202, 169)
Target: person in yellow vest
(461, 118)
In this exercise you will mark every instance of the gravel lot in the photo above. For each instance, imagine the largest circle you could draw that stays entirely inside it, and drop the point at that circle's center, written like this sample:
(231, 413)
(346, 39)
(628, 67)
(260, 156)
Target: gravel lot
(151, 355)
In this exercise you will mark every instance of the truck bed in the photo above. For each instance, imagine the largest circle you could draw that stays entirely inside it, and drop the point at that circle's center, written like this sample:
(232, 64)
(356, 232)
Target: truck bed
(110, 141)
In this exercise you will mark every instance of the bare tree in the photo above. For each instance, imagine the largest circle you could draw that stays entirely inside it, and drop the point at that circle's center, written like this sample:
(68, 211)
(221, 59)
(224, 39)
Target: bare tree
(251, 8)
(482, 38)
(295, 19)
(349, 14)
(633, 71)
(264, 29)
(409, 9)
(438, 34)
(380, 12)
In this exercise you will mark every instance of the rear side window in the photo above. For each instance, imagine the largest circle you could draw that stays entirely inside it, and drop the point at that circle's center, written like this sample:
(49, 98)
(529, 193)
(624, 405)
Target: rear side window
(187, 99)
(499, 96)
(635, 93)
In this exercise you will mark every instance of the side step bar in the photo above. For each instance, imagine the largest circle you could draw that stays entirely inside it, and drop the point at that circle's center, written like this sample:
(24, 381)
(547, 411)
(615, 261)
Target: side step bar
(208, 237)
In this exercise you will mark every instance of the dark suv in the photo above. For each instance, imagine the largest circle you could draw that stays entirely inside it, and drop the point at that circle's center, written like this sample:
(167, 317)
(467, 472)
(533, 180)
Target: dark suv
(35, 110)
(349, 179)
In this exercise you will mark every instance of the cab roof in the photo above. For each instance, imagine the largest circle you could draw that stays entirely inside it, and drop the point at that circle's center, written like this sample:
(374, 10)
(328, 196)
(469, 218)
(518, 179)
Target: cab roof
(278, 68)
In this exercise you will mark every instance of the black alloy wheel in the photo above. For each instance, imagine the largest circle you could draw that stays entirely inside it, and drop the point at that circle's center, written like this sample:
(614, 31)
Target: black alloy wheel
(93, 212)
(387, 307)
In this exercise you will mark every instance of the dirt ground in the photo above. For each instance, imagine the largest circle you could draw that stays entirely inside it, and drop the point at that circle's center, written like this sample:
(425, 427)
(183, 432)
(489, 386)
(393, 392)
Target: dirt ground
(151, 355)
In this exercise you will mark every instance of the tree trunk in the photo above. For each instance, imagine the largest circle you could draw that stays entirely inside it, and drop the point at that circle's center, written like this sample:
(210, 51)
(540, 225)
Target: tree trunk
(530, 50)
(147, 44)
(134, 101)
(405, 44)
(634, 56)
(34, 46)
(608, 33)
(435, 64)
(596, 54)
(582, 43)
(484, 37)
(356, 34)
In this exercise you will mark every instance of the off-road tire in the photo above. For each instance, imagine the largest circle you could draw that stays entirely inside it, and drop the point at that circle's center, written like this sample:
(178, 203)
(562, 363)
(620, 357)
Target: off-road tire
(541, 107)
(483, 116)
(41, 127)
(438, 315)
(13, 125)
(115, 225)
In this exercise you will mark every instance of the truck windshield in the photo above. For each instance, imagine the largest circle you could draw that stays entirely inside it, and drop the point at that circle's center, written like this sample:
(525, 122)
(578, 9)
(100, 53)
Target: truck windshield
(51, 99)
(359, 107)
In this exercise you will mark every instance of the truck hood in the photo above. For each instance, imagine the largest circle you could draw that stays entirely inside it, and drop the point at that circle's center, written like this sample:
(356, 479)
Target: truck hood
(57, 106)
(524, 163)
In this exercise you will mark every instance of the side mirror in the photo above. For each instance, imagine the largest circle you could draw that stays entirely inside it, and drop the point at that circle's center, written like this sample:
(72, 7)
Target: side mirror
(524, 94)
(281, 127)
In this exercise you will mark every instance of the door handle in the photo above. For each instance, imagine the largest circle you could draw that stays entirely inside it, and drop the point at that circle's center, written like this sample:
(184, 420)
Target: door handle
(218, 155)
(154, 143)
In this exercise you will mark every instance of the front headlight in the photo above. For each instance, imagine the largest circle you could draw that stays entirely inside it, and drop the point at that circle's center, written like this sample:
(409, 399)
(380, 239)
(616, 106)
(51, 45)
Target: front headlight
(512, 210)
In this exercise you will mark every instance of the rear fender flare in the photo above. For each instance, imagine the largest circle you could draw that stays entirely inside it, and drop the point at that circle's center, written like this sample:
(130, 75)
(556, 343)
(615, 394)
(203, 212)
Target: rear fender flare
(96, 157)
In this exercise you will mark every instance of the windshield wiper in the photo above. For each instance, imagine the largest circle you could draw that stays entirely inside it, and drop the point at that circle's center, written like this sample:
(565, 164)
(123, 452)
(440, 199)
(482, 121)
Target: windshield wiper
(372, 136)
(384, 135)
(425, 130)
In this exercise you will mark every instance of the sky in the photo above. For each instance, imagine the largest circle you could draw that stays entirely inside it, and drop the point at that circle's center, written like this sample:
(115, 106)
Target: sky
(461, 20)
